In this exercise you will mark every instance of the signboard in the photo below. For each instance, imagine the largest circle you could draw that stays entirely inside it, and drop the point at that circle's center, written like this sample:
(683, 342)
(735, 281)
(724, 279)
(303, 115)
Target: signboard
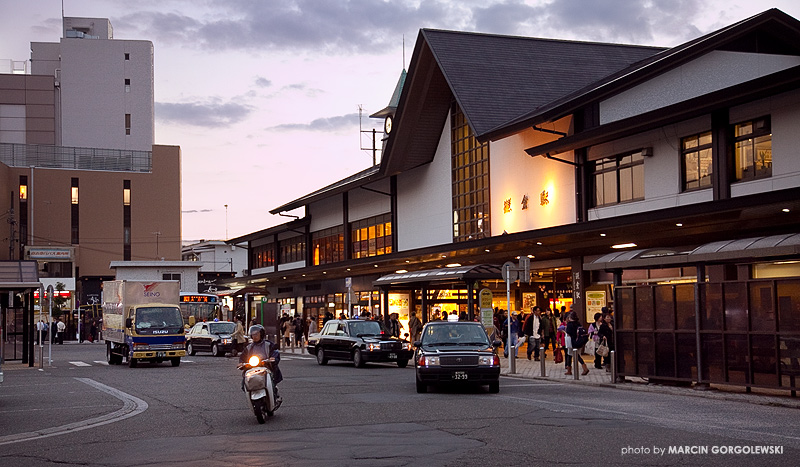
(487, 317)
(62, 254)
(595, 301)
(398, 303)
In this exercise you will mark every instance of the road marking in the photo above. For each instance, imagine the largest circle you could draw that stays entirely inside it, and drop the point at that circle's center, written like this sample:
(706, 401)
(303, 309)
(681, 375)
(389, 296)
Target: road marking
(101, 362)
(80, 363)
(293, 357)
(131, 406)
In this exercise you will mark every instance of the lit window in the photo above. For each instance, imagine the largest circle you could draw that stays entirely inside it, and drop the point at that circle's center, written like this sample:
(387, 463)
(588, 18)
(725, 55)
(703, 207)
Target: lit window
(126, 196)
(619, 179)
(753, 149)
(74, 195)
(23, 192)
(696, 161)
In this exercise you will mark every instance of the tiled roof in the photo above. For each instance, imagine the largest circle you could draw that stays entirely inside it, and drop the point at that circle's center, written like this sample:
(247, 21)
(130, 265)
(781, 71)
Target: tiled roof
(496, 78)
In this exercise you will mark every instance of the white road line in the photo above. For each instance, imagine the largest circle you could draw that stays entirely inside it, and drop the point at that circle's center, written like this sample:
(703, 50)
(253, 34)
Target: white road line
(131, 406)
(80, 363)
(101, 362)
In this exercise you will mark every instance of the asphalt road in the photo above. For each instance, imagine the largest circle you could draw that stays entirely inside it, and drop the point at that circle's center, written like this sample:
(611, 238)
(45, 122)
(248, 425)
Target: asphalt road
(83, 412)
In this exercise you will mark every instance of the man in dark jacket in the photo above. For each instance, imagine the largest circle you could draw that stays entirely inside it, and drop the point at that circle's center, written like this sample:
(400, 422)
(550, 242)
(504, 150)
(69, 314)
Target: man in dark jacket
(532, 330)
(264, 349)
(548, 325)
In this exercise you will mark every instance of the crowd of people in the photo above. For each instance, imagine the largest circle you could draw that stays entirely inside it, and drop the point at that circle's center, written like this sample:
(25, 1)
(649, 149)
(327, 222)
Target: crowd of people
(558, 332)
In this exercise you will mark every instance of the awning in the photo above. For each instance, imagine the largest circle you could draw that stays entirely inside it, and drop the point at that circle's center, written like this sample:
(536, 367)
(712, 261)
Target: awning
(756, 248)
(19, 275)
(460, 273)
(238, 292)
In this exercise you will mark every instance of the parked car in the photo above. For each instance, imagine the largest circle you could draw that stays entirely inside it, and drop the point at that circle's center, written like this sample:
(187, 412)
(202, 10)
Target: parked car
(359, 341)
(456, 352)
(213, 336)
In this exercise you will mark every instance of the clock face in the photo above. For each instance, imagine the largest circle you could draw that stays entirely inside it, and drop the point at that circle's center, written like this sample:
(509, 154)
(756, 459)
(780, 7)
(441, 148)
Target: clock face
(387, 125)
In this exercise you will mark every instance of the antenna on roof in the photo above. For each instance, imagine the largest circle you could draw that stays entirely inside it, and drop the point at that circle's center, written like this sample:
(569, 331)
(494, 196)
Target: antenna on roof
(361, 131)
(404, 51)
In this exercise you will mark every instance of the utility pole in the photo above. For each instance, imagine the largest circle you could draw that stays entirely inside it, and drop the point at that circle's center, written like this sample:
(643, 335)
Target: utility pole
(157, 234)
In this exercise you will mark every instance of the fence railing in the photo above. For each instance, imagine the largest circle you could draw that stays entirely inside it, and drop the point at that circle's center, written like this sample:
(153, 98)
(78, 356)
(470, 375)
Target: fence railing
(65, 157)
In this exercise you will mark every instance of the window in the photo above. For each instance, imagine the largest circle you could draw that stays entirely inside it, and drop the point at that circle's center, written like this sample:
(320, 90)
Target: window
(127, 124)
(619, 179)
(328, 245)
(262, 256)
(470, 178)
(171, 276)
(753, 149)
(127, 56)
(372, 236)
(127, 85)
(292, 250)
(696, 161)
(75, 221)
(126, 220)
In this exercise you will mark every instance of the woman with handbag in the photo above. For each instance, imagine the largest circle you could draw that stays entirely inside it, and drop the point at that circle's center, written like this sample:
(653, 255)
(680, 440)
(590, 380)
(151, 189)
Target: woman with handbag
(606, 334)
(594, 335)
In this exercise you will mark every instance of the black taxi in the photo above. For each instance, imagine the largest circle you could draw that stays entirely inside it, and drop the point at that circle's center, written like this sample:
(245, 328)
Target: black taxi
(456, 352)
(359, 341)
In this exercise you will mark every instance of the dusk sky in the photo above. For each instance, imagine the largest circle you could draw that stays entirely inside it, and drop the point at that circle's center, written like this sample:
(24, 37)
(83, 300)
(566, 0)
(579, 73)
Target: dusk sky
(262, 96)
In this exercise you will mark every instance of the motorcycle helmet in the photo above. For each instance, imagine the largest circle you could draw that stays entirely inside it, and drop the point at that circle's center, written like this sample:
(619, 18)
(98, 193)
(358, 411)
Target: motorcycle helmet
(257, 329)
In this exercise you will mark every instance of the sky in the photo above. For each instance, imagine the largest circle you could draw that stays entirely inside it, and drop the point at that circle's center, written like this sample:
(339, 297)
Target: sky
(263, 96)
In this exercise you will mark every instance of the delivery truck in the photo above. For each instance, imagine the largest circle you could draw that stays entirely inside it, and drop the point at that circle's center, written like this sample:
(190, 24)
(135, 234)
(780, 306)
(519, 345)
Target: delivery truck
(142, 322)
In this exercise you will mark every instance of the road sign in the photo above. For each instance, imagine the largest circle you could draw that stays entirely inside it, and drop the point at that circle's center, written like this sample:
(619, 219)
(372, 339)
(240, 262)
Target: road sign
(509, 271)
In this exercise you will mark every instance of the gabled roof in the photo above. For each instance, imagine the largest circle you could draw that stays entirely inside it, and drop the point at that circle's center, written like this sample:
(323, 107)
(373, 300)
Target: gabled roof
(772, 31)
(494, 79)
(362, 178)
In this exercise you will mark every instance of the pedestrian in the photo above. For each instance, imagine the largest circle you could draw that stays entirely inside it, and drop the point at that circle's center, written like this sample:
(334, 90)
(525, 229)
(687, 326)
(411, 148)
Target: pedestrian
(60, 329)
(239, 340)
(307, 327)
(515, 330)
(548, 325)
(298, 330)
(414, 326)
(394, 324)
(606, 333)
(573, 344)
(594, 335)
(39, 332)
(532, 329)
(92, 331)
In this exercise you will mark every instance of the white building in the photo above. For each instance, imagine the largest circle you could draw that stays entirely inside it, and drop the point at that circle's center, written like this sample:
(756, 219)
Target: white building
(183, 271)
(104, 86)
(218, 260)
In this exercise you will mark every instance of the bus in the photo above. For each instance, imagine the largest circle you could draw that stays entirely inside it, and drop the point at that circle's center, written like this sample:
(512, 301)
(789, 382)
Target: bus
(200, 307)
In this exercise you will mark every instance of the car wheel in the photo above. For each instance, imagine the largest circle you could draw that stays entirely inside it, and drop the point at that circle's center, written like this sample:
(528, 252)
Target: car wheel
(358, 359)
(215, 350)
(109, 354)
(422, 388)
(321, 359)
(402, 363)
(494, 387)
(190, 349)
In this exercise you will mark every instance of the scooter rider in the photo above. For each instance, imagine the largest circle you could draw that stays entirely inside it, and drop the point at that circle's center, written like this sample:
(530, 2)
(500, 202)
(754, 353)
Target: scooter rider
(264, 349)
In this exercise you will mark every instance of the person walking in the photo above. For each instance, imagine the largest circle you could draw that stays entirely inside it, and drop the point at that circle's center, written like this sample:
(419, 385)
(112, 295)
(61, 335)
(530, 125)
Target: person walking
(60, 329)
(532, 330)
(607, 332)
(572, 344)
(239, 340)
(515, 330)
(594, 334)
(548, 325)
(414, 326)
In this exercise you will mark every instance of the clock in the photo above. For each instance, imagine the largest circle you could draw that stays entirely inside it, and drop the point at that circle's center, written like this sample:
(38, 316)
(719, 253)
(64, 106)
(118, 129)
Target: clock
(387, 124)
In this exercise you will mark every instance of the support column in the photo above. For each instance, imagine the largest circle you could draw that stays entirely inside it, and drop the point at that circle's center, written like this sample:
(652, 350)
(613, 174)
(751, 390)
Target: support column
(698, 310)
(471, 300)
(424, 294)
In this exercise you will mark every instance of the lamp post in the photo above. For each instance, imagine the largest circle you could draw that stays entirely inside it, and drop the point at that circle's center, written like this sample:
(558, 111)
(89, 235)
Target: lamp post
(226, 222)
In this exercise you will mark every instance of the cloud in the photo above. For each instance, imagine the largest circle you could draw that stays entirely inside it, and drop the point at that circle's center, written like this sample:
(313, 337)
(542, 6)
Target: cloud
(329, 124)
(628, 21)
(263, 82)
(344, 26)
(195, 211)
(212, 114)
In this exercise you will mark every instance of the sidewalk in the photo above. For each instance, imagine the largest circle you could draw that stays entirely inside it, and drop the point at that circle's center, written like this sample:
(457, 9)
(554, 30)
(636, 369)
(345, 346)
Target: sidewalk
(530, 369)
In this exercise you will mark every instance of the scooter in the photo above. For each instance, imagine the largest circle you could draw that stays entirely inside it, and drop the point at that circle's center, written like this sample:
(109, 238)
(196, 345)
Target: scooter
(259, 387)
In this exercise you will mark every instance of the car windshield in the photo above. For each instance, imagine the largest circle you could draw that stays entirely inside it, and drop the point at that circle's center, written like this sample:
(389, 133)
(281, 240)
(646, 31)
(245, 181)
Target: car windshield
(455, 334)
(158, 318)
(365, 328)
(221, 328)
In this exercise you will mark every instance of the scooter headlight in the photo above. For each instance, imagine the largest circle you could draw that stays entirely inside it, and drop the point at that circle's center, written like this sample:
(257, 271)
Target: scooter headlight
(254, 361)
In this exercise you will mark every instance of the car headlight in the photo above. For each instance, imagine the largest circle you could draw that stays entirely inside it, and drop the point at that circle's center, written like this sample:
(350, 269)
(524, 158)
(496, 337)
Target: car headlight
(373, 347)
(428, 360)
(489, 360)
(226, 341)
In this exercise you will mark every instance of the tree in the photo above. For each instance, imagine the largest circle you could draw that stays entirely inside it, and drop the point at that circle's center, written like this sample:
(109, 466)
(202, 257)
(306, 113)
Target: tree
(58, 300)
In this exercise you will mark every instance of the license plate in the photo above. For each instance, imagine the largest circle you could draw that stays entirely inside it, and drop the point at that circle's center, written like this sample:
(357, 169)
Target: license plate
(392, 356)
(460, 375)
(258, 394)
(161, 354)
